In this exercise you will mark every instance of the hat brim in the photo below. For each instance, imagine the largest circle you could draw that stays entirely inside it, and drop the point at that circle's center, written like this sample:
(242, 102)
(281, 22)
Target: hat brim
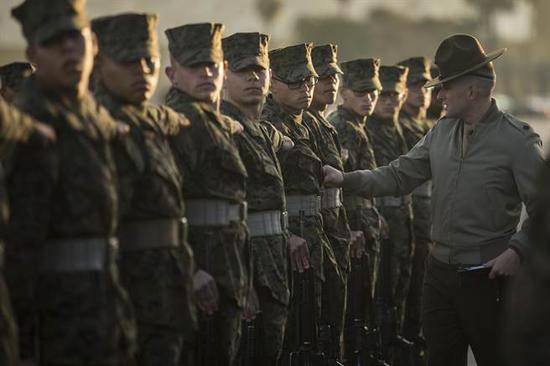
(364, 85)
(488, 58)
(64, 24)
(294, 73)
(328, 69)
(200, 56)
(247, 61)
(394, 87)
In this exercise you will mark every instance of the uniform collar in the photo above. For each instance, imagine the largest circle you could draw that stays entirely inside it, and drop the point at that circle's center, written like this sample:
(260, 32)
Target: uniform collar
(350, 115)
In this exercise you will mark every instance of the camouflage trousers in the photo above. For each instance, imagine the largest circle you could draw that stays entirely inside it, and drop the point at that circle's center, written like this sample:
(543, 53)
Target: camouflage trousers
(334, 289)
(84, 319)
(220, 251)
(319, 251)
(271, 326)
(270, 256)
(399, 220)
(159, 282)
(422, 239)
(9, 352)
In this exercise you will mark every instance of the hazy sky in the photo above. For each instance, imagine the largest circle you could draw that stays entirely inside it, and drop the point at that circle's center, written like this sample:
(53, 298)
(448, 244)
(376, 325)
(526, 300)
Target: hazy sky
(238, 15)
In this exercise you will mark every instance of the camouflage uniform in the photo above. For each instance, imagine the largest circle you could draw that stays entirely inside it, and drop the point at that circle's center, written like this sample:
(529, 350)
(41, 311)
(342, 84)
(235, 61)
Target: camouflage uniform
(12, 77)
(302, 176)
(265, 194)
(215, 174)
(413, 130)
(14, 127)
(359, 75)
(335, 221)
(389, 144)
(61, 252)
(155, 259)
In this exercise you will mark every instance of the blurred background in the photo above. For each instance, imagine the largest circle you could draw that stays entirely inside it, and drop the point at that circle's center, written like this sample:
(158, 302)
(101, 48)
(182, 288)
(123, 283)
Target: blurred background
(390, 29)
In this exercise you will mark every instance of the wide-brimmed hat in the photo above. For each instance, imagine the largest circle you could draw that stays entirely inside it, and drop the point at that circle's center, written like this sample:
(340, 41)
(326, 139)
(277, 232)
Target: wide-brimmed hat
(462, 54)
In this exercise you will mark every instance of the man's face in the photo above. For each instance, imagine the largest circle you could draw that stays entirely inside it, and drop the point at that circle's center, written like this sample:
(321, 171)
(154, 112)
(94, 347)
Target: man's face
(134, 81)
(418, 97)
(248, 86)
(454, 98)
(202, 81)
(388, 105)
(296, 95)
(326, 90)
(361, 102)
(65, 61)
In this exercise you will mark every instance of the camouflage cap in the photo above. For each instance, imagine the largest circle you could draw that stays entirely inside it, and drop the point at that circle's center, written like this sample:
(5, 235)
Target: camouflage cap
(362, 74)
(192, 44)
(12, 75)
(292, 64)
(325, 60)
(246, 49)
(419, 69)
(394, 78)
(127, 37)
(42, 20)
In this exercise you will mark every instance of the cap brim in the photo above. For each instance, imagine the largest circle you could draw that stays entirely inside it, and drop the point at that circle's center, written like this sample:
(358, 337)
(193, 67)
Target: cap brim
(393, 87)
(298, 73)
(365, 85)
(200, 56)
(328, 69)
(248, 61)
(65, 24)
(488, 58)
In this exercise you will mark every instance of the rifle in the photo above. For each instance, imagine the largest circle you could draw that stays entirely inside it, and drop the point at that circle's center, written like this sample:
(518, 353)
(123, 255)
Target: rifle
(306, 354)
(392, 344)
(248, 345)
(363, 347)
(206, 355)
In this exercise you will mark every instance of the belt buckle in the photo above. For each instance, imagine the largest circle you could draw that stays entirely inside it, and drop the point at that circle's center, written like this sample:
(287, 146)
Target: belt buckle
(284, 220)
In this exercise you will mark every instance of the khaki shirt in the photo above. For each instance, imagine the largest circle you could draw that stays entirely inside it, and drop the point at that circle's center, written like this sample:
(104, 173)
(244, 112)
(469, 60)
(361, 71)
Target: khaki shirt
(477, 196)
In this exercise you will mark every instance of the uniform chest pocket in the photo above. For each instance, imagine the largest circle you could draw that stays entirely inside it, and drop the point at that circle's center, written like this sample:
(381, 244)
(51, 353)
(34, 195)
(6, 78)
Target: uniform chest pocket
(161, 161)
(307, 159)
(229, 160)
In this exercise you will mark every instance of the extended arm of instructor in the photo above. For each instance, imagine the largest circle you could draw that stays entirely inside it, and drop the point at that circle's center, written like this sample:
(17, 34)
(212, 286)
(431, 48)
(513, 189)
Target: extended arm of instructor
(398, 178)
